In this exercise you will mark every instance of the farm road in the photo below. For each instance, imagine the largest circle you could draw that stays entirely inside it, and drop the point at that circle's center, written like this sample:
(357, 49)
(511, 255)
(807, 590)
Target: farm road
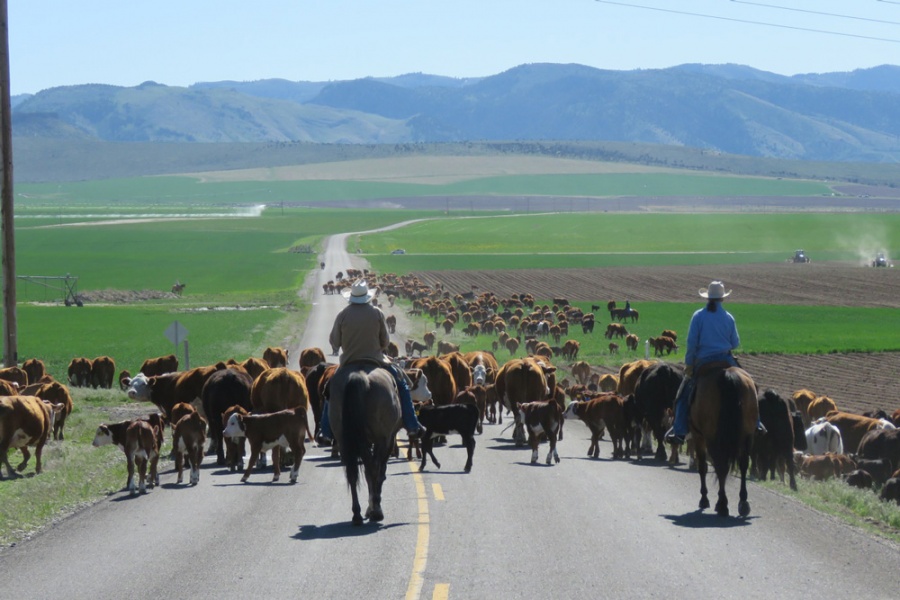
(580, 529)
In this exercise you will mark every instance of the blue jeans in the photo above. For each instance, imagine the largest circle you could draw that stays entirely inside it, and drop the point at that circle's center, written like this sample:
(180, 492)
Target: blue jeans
(410, 422)
(681, 426)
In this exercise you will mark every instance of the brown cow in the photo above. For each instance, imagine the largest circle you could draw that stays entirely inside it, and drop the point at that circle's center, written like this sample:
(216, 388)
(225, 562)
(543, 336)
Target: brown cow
(188, 439)
(629, 374)
(79, 372)
(522, 381)
(820, 407)
(540, 418)
(429, 339)
(278, 389)
(8, 388)
(852, 427)
(255, 366)
(234, 446)
(274, 430)
(440, 378)
(608, 383)
(447, 348)
(57, 394)
(159, 365)
(103, 372)
(582, 372)
(391, 321)
(462, 372)
(275, 357)
(802, 398)
(124, 376)
(24, 421)
(34, 368)
(615, 330)
(606, 411)
(613, 348)
(631, 341)
(310, 357)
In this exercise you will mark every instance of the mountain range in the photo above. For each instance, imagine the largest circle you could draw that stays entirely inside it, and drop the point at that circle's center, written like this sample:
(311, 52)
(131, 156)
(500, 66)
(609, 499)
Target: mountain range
(851, 116)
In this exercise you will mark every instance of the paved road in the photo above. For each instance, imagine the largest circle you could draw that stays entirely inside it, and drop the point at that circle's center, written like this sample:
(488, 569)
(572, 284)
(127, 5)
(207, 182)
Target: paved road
(581, 529)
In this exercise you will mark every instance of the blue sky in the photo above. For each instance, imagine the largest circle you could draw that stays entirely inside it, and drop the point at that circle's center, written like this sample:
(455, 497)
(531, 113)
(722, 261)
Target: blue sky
(61, 42)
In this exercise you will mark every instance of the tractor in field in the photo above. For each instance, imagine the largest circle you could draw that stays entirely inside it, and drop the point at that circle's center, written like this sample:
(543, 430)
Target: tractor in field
(880, 260)
(800, 257)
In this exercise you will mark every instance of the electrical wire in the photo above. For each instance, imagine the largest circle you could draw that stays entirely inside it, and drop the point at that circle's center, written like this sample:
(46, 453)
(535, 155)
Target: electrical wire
(720, 18)
(815, 12)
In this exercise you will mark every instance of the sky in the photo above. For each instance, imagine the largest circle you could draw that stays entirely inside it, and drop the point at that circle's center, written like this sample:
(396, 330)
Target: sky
(181, 42)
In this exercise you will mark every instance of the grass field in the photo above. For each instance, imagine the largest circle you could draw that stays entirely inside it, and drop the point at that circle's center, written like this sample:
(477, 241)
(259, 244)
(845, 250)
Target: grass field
(162, 191)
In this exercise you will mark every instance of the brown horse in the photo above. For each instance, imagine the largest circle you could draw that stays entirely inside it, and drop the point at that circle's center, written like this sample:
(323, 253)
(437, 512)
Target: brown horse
(723, 421)
(364, 411)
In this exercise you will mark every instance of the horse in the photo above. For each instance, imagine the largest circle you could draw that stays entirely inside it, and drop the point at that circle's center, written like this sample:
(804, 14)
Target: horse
(364, 410)
(723, 421)
(622, 314)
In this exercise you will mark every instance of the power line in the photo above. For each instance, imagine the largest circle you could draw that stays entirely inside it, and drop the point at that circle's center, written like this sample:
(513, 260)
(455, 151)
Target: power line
(720, 18)
(816, 12)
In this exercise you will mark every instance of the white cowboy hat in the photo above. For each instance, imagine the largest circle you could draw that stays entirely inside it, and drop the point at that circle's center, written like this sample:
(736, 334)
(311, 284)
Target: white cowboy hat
(359, 293)
(715, 291)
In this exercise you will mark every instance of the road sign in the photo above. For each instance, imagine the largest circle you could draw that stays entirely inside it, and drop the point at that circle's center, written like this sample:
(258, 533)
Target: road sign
(176, 333)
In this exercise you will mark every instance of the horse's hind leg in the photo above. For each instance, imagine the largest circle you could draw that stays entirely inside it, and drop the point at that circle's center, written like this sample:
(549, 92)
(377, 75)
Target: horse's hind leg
(744, 505)
(357, 510)
(722, 476)
(702, 467)
(375, 475)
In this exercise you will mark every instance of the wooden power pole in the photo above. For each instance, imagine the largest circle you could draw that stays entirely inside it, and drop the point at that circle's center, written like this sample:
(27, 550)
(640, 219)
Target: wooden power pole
(10, 328)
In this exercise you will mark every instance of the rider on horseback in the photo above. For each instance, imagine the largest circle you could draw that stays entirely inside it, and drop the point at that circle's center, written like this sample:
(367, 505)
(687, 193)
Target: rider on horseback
(361, 331)
(712, 336)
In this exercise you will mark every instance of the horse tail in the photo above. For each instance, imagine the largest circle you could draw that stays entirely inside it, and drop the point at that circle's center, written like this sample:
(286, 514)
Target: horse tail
(730, 427)
(354, 446)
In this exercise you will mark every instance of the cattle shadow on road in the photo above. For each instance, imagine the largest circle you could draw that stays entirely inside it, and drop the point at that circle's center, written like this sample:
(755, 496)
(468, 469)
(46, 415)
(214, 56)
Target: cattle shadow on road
(346, 529)
(698, 519)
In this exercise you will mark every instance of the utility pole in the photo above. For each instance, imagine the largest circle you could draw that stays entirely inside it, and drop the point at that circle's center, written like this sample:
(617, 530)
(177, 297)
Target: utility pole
(7, 227)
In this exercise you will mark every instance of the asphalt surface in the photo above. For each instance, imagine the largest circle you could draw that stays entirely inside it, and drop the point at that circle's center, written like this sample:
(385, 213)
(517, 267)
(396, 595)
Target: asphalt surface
(584, 528)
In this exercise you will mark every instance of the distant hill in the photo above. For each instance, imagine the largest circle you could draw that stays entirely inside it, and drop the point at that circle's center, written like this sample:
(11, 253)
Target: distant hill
(723, 108)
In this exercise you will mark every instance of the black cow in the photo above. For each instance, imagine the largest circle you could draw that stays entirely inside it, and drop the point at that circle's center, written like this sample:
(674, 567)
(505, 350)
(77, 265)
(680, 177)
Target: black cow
(860, 479)
(313, 377)
(891, 490)
(224, 388)
(655, 393)
(775, 448)
(880, 469)
(443, 420)
(799, 430)
(881, 443)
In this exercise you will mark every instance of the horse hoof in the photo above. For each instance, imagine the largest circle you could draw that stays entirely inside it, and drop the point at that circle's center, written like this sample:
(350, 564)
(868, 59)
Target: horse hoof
(377, 516)
(704, 503)
(357, 520)
(744, 508)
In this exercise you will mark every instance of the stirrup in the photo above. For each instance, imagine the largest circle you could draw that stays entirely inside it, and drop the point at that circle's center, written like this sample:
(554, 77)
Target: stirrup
(674, 438)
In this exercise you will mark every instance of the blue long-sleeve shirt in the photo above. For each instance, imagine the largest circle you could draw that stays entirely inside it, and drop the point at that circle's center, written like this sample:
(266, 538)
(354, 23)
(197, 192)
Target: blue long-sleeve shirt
(710, 335)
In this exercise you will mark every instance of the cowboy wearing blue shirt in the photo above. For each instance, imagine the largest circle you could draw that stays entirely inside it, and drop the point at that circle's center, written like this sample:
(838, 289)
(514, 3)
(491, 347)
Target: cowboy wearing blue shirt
(712, 336)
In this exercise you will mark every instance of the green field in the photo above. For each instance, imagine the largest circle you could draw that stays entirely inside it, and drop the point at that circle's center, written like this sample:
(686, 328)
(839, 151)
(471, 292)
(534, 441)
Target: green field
(567, 240)
(163, 191)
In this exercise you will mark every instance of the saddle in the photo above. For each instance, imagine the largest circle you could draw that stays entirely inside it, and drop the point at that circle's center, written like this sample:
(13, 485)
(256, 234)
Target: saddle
(710, 366)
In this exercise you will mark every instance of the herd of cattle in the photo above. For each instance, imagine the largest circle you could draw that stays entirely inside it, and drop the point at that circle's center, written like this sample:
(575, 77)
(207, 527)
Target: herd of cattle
(265, 403)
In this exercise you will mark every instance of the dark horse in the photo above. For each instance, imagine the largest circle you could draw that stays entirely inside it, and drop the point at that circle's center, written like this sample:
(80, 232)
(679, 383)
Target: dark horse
(723, 421)
(623, 314)
(364, 410)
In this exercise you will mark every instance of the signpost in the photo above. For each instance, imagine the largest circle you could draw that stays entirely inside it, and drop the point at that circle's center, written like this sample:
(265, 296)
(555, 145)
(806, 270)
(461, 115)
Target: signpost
(177, 333)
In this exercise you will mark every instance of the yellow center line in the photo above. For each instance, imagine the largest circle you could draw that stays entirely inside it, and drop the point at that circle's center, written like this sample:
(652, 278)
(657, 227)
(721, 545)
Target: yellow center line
(414, 589)
(441, 591)
(438, 491)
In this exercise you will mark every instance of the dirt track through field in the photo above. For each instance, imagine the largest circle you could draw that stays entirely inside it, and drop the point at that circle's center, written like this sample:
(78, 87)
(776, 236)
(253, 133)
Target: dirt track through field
(856, 381)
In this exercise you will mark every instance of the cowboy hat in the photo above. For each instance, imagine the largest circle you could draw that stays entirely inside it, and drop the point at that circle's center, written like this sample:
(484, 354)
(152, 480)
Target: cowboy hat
(715, 291)
(359, 293)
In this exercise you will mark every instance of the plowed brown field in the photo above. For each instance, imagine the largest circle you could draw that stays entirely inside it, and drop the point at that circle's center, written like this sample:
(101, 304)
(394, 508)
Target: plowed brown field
(856, 381)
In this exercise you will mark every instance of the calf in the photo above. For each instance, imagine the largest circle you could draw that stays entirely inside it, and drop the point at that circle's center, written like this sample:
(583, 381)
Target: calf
(138, 439)
(234, 446)
(188, 439)
(606, 411)
(271, 431)
(24, 421)
(891, 490)
(444, 420)
(541, 417)
(860, 478)
(879, 468)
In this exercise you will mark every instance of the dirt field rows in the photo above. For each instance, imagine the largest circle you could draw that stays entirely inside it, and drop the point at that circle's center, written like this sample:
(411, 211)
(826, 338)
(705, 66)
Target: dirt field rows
(857, 382)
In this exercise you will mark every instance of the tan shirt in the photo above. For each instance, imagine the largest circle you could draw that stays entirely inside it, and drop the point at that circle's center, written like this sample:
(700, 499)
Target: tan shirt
(361, 332)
